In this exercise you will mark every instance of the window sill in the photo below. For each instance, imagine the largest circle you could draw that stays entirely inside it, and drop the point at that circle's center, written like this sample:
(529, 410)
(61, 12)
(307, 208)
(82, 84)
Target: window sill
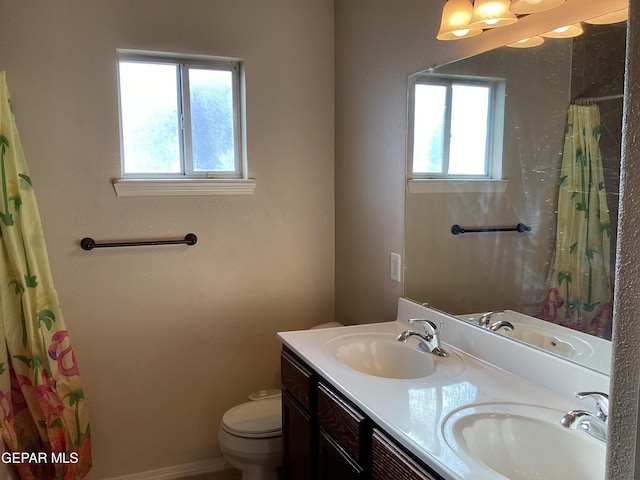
(433, 185)
(171, 187)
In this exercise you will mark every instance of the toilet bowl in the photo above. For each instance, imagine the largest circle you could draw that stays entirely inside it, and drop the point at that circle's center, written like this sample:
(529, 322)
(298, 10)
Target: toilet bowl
(250, 434)
(250, 437)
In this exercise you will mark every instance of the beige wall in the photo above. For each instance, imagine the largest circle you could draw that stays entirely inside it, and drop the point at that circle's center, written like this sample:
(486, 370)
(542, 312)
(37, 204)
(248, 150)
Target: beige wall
(168, 338)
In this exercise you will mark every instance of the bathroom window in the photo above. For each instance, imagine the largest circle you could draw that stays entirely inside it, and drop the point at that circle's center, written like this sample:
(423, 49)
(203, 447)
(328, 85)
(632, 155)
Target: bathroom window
(456, 127)
(181, 118)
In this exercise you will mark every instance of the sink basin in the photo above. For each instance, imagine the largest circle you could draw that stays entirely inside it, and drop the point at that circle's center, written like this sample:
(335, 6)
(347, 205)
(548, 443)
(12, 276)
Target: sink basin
(524, 442)
(381, 355)
(565, 345)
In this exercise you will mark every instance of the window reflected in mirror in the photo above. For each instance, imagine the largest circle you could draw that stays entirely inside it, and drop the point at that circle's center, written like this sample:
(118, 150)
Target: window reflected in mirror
(456, 124)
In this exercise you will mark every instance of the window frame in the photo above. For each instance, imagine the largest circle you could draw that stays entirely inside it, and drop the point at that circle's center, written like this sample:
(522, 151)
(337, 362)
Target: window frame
(188, 181)
(495, 125)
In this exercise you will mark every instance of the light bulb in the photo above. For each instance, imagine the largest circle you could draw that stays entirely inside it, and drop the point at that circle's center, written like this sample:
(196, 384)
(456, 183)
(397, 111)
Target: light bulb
(461, 33)
(527, 42)
(525, 7)
(491, 14)
(567, 31)
(455, 21)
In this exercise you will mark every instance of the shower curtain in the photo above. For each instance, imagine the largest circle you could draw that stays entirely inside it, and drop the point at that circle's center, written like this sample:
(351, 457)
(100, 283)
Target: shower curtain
(43, 414)
(578, 291)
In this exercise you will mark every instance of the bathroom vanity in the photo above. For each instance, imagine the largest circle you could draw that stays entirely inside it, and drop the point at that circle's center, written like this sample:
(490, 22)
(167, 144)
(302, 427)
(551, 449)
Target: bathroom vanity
(358, 404)
(324, 432)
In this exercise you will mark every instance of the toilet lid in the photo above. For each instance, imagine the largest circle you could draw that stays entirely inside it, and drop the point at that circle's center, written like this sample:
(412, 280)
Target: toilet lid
(258, 419)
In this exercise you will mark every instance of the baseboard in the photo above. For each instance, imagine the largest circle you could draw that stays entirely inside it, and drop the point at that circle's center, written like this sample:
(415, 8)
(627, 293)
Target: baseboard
(178, 471)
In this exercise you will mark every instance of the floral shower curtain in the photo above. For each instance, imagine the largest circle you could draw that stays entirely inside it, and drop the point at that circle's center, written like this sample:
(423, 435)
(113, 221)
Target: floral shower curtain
(578, 291)
(43, 414)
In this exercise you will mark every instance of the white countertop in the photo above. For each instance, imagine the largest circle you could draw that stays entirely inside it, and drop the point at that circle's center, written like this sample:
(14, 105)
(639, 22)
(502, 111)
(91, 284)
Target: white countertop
(413, 411)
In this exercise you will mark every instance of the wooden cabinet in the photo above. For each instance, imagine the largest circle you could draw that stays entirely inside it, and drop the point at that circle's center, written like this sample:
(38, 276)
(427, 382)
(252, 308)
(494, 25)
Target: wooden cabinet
(298, 379)
(344, 422)
(297, 440)
(299, 429)
(344, 437)
(326, 437)
(390, 461)
(334, 462)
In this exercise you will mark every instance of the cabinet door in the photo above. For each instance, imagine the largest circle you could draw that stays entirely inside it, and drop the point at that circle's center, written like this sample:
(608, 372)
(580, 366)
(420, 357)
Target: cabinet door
(297, 440)
(390, 462)
(334, 463)
(350, 428)
(298, 379)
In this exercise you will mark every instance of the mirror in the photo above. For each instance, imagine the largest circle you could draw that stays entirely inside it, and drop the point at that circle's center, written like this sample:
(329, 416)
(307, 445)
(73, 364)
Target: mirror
(479, 272)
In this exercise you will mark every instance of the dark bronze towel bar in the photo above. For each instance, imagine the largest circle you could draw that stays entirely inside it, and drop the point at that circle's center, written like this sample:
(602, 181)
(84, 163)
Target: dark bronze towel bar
(89, 244)
(520, 228)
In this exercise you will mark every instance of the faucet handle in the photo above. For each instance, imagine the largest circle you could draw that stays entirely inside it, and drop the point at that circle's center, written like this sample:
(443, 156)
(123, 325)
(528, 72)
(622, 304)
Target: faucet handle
(486, 318)
(429, 327)
(416, 320)
(602, 402)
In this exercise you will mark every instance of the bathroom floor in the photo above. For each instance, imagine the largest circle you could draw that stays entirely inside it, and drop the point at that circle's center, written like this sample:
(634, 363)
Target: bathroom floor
(231, 474)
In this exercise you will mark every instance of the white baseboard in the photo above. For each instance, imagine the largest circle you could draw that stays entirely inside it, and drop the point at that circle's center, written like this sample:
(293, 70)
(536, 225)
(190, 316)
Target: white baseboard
(178, 471)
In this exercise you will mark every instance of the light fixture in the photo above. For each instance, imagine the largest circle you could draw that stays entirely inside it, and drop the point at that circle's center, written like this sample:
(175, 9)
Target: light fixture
(455, 21)
(613, 17)
(527, 42)
(568, 31)
(524, 7)
(491, 14)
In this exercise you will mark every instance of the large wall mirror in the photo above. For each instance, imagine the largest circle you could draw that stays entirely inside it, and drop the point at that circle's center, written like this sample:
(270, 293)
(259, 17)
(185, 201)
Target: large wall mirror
(471, 273)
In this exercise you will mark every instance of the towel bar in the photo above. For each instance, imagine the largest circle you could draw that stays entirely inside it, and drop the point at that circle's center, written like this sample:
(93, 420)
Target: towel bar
(88, 243)
(520, 228)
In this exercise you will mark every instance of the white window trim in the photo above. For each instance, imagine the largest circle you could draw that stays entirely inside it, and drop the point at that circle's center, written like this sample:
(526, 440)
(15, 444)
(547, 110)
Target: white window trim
(143, 187)
(138, 186)
(445, 185)
(430, 183)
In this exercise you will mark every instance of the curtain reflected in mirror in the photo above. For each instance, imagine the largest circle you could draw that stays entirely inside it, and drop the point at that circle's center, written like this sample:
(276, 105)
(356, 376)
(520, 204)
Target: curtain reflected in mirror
(578, 290)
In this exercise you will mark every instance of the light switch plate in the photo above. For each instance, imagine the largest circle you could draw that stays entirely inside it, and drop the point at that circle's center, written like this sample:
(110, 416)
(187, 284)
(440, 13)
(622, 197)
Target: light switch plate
(396, 267)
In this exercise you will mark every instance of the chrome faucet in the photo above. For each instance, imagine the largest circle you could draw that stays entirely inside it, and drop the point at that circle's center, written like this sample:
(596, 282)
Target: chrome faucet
(485, 321)
(495, 326)
(429, 340)
(595, 424)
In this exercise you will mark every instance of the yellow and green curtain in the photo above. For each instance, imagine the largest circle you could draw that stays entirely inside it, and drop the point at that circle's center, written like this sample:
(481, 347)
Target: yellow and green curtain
(578, 290)
(43, 413)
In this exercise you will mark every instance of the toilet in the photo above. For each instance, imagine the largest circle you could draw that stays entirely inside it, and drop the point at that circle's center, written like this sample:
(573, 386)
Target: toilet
(250, 434)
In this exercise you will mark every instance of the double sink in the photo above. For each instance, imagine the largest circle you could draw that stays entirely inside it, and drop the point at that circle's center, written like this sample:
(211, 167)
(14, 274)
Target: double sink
(515, 440)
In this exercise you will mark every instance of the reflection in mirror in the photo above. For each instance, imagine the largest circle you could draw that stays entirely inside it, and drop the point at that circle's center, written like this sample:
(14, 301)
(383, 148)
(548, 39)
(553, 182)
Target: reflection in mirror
(479, 272)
